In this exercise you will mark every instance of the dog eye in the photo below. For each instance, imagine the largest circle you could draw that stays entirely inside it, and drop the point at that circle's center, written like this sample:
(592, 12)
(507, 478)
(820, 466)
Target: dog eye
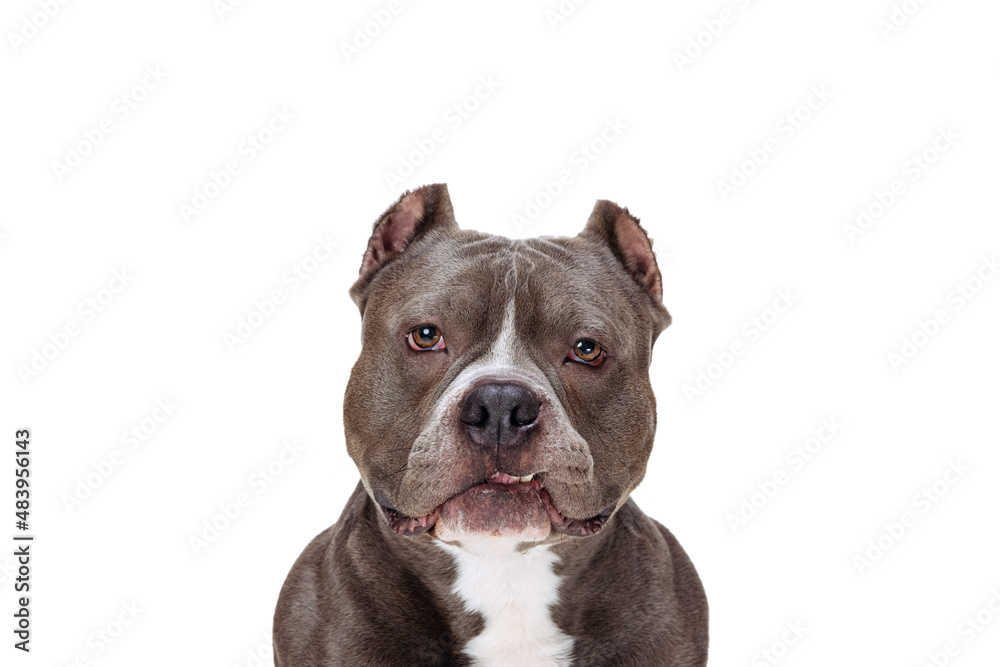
(587, 351)
(425, 337)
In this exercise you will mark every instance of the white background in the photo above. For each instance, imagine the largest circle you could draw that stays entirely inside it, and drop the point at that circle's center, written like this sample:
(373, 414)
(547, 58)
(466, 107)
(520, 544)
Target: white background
(687, 126)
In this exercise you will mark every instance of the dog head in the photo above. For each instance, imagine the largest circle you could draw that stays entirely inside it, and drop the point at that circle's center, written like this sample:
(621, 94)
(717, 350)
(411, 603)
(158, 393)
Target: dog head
(503, 386)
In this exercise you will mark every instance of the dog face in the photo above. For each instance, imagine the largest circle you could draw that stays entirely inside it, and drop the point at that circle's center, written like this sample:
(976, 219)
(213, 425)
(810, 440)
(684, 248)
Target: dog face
(502, 388)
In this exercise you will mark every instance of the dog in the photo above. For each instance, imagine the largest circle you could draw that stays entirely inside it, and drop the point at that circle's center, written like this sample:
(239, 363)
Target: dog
(500, 414)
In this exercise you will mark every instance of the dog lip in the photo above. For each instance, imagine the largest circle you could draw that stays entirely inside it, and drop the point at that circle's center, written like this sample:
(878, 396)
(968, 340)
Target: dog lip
(575, 527)
(404, 525)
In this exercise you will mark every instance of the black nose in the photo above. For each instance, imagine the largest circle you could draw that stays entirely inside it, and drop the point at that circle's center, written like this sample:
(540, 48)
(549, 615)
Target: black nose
(499, 415)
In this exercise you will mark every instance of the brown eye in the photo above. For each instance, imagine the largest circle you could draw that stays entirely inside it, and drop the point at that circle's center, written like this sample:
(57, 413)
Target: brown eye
(425, 337)
(588, 351)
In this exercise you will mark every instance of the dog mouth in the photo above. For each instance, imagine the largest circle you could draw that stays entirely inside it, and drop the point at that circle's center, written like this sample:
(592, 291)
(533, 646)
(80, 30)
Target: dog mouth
(501, 505)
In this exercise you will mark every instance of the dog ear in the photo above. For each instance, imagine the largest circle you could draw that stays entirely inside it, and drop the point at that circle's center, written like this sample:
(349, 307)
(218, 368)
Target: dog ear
(414, 214)
(620, 231)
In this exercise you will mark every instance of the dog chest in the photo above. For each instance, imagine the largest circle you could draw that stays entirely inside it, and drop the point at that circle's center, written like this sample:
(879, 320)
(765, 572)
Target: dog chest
(514, 593)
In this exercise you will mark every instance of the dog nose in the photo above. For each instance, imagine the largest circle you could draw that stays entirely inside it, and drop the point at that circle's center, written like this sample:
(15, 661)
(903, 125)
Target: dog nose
(499, 415)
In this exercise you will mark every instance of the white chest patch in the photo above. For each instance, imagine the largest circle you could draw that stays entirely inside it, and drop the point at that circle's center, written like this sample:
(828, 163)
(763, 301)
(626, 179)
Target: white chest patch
(513, 592)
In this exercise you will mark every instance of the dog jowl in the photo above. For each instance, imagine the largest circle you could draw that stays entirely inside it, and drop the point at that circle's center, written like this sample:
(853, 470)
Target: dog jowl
(500, 414)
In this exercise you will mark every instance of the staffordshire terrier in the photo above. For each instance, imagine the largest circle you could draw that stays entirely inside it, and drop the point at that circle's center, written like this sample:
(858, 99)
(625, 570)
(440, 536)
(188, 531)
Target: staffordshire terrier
(500, 414)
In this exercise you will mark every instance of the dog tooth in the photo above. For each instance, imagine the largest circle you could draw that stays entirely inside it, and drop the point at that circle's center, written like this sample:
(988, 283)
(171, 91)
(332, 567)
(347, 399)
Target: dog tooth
(526, 478)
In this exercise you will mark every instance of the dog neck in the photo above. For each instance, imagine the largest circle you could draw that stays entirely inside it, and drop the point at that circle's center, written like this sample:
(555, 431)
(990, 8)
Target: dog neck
(499, 596)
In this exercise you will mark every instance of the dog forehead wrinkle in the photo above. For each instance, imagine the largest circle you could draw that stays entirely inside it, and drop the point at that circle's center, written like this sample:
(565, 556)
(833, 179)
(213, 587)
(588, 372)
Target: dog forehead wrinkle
(550, 243)
(564, 260)
(476, 244)
(585, 295)
(502, 349)
(448, 286)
